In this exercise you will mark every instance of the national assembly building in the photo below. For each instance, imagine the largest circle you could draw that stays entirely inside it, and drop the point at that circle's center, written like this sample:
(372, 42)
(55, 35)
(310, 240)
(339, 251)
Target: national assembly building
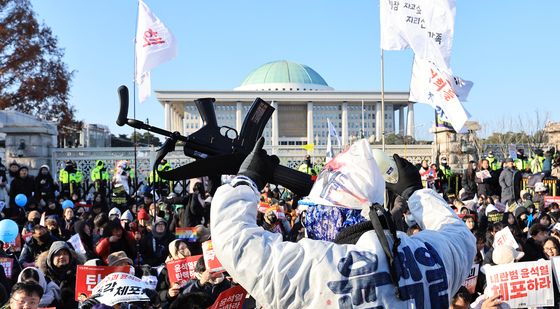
(303, 101)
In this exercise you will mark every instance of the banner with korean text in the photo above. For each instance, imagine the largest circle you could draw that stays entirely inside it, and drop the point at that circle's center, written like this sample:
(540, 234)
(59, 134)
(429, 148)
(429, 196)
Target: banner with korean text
(87, 277)
(521, 285)
(231, 298)
(470, 283)
(210, 259)
(181, 270)
(119, 288)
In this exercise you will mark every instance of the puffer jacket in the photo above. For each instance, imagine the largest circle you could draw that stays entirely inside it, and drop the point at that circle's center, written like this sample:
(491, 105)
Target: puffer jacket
(317, 274)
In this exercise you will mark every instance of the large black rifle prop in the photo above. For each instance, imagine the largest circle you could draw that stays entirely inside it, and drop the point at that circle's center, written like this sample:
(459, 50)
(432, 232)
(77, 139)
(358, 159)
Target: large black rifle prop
(217, 150)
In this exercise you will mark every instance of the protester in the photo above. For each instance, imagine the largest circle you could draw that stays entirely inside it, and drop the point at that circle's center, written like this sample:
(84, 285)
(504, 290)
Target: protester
(469, 181)
(51, 295)
(298, 274)
(510, 181)
(59, 265)
(115, 239)
(25, 295)
(39, 242)
(178, 249)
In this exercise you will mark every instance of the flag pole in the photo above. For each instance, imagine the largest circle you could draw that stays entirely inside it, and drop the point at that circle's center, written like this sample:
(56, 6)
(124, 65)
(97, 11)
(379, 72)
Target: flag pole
(135, 180)
(436, 159)
(382, 102)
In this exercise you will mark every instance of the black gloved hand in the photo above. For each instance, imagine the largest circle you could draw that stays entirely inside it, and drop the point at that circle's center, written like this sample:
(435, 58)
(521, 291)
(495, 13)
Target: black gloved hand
(90, 302)
(258, 165)
(153, 296)
(409, 178)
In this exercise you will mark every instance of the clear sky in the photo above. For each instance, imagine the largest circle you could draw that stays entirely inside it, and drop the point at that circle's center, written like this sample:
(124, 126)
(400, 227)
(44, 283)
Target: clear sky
(509, 49)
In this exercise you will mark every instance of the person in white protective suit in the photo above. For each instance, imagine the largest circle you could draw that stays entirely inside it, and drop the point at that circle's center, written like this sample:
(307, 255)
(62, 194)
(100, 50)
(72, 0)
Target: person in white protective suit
(368, 265)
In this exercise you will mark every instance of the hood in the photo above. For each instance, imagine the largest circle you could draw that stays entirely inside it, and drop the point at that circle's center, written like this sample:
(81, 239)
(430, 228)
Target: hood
(154, 232)
(351, 180)
(173, 250)
(115, 211)
(55, 248)
(127, 215)
(42, 261)
(100, 163)
(46, 167)
(42, 281)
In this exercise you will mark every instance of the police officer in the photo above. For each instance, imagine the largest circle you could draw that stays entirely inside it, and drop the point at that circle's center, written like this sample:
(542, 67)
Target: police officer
(100, 177)
(537, 163)
(70, 179)
(493, 162)
(426, 270)
(307, 166)
(162, 186)
(521, 163)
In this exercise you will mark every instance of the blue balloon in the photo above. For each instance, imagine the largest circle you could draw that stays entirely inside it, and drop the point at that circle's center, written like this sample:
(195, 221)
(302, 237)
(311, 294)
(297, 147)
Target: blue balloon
(8, 230)
(21, 200)
(67, 204)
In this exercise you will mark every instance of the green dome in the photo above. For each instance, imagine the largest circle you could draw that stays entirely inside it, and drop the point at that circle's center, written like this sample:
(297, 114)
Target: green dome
(284, 74)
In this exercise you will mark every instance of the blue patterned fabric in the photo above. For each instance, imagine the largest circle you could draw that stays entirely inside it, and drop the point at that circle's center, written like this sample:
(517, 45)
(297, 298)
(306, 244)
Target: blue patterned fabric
(325, 222)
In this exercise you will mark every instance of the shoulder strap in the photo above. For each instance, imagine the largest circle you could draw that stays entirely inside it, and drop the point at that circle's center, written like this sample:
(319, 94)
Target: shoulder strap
(392, 254)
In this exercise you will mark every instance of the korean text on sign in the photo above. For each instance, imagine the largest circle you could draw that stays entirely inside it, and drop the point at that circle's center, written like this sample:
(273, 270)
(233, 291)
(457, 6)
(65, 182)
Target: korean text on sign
(231, 298)
(526, 284)
(181, 270)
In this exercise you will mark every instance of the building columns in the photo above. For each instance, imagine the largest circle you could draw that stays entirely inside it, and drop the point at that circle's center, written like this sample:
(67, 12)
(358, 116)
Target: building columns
(401, 120)
(167, 116)
(274, 127)
(378, 119)
(310, 123)
(238, 116)
(410, 120)
(344, 120)
(184, 123)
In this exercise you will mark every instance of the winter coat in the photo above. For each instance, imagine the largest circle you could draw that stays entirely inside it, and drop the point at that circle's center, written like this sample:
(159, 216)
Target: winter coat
(313, 274)
(510, 182)
(127, 243)
(21, 185)
(31, 250)
(64, 278)
(44, 187)
(484, 186)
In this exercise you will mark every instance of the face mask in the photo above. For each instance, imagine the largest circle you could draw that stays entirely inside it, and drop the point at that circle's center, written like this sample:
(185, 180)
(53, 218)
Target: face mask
(409, 219)
(443, 162)
(217, 280)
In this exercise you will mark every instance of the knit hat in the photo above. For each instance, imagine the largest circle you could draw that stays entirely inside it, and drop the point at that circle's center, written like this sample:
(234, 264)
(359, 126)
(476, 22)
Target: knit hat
(505, 254)
(540, 187)
(45, 166)
(115, 212)
(94, 262)
(127, 215)
(117, 257)
(143, 214)
(519, 211)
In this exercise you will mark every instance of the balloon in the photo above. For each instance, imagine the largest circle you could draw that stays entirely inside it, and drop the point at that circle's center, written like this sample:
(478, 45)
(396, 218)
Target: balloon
(8, 230)
(67, 204)
(21, 200)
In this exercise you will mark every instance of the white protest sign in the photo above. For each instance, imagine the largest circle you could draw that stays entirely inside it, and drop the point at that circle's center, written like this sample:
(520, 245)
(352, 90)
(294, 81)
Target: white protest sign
(512, 151)
(119, 288)
(76, 242)
(521, 285)
(505, 237)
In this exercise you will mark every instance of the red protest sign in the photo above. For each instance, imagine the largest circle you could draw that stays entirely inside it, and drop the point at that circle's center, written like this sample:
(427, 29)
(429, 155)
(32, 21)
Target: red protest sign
(8, 264)
(181, 270)
(210, 259)
(87, 277)
(231, 298)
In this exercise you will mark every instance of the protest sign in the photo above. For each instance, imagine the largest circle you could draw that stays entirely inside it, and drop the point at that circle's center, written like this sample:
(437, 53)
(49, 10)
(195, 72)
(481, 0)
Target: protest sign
(521, 285)
(8, 264)
(231, 298)
(484, 174)
(119, 288)
(210, 259)
(556, 268)
(87, 277)
(551, 199)
(187, 233)
(77, 244)
(470, 283)
(505, 237)
(512, 151)
(181, 270)
(495, 217)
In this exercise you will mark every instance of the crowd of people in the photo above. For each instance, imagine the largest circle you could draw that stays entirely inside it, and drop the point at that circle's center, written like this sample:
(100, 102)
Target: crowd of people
(137, 229)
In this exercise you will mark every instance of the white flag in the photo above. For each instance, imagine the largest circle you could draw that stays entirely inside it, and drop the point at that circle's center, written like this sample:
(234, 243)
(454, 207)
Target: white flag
(421, 76)
(332, 134)
(434, 88)
(424, 26)
(155, 44)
